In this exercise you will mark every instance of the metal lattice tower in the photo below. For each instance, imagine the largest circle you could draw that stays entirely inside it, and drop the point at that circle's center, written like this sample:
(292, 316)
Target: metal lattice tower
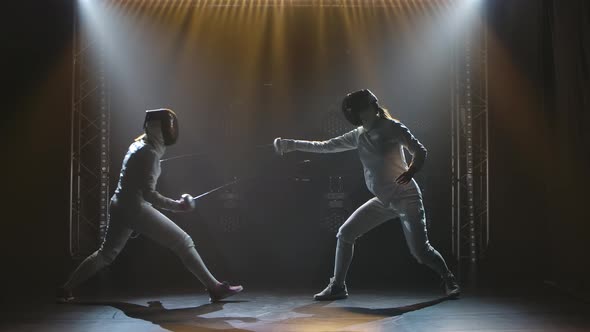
(470, 142)
(89, 150)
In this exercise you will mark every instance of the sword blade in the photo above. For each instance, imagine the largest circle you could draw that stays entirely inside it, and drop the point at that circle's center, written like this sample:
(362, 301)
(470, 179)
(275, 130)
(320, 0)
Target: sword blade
(216, 189)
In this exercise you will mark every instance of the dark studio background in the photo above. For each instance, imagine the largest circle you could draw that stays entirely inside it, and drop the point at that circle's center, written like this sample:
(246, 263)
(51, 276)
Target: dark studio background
(539, 96)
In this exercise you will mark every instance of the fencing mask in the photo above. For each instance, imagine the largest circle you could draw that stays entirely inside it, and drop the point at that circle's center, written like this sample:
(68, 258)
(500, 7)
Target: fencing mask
(355, 102)
(168, 122)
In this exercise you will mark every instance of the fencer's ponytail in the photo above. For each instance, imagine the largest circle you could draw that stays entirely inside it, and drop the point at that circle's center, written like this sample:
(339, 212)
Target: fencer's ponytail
(384, 114)
(140, 137)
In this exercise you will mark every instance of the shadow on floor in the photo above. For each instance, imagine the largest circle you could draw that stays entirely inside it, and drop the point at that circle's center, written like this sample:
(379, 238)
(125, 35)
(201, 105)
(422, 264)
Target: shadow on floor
(317, 316)
(395, 311)
(322, 317)
(182, 319)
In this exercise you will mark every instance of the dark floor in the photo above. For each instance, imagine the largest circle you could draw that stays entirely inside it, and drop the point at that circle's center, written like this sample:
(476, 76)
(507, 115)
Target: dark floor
(295, 311)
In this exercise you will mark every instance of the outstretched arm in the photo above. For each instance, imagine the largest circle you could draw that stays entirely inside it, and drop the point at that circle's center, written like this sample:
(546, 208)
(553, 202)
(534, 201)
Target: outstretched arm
(348, 141)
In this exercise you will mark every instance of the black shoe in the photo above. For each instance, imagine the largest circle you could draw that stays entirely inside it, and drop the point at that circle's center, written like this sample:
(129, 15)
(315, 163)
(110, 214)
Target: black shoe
(332, 292)
(64, 295)
(452, 288)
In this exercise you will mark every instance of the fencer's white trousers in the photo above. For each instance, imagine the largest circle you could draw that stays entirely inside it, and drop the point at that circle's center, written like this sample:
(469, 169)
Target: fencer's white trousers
(149, 222)
(408, 207)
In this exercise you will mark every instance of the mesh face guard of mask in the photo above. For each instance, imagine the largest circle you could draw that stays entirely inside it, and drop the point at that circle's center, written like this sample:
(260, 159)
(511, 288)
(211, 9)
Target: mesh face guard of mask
(168, 121)
(355, 102)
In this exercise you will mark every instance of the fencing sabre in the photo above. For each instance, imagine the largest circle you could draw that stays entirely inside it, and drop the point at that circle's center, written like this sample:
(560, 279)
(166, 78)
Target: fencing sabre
(197, 155)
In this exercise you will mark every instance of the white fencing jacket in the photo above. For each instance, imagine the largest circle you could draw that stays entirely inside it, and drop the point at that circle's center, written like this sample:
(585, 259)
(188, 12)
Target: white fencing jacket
(139, 175)
(381, 152)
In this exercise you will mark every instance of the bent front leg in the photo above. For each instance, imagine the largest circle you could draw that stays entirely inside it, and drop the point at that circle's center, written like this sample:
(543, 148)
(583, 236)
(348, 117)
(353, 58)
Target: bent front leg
(156, 226)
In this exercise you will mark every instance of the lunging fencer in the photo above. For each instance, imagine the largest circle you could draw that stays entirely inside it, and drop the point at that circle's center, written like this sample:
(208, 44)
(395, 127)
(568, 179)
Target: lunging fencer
(132, 208)
(380, 141)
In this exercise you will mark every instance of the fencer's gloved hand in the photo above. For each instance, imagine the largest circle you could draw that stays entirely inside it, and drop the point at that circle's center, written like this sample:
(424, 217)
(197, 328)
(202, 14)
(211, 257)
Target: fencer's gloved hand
(187, 202)
(283, 146)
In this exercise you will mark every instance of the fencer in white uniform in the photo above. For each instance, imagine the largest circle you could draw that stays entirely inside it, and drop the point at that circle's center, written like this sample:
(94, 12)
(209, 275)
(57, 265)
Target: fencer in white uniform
(380, 141)
(133, 208)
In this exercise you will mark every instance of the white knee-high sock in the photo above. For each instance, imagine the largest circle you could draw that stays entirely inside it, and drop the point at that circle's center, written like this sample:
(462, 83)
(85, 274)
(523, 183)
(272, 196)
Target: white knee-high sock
(344, 253)
(92, 264)
(193, 262)
(434, 260)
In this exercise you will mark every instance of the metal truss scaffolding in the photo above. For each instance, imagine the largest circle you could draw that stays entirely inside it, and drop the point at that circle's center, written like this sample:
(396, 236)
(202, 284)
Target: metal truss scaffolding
(89, 151)
(470, 178)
